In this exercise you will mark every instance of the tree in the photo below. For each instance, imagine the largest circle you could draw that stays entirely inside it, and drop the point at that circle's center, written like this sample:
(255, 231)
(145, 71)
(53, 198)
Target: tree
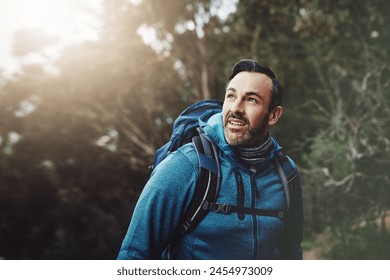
(84, 139)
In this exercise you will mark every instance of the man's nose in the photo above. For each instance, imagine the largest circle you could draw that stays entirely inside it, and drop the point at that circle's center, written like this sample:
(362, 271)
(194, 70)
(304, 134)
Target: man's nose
(237, 107)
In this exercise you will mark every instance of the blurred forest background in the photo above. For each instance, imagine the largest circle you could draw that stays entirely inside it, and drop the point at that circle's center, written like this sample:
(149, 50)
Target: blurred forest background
(76, 143)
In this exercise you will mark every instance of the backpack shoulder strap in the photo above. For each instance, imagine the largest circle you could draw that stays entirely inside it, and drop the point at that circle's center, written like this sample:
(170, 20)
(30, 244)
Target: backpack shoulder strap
(206, 188)
(287, 173)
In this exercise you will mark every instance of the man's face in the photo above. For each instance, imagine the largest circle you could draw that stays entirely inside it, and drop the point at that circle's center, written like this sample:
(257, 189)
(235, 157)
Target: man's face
(246, 117)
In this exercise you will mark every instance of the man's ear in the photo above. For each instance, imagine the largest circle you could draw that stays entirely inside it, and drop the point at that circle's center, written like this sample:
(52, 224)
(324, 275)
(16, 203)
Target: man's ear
(275, 114)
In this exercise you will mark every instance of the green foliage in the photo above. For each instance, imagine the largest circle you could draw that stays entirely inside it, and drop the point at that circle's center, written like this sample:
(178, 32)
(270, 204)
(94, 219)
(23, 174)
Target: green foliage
(64, 206)
(332, 153)
(365, 241)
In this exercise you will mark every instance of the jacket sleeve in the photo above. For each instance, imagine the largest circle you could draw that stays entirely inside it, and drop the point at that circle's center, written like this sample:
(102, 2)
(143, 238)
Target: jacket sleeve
(159, 208)
(291, 238)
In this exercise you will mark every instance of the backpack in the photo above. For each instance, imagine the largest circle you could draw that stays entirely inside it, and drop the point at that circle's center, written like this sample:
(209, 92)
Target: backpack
(185, 130)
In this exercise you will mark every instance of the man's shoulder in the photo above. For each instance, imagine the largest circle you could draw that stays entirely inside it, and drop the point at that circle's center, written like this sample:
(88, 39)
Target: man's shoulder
(182, 159)
(188, 151)
(176, 168)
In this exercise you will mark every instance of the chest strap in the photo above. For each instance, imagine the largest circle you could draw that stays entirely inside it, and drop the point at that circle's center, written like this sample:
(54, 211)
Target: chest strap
(227, 209)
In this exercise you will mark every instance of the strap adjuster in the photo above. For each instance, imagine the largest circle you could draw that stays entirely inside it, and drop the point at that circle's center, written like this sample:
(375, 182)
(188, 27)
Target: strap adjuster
(217, 207)
(223, 208)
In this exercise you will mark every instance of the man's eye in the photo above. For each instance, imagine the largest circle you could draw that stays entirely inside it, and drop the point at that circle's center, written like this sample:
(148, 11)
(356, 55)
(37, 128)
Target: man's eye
(230, 96)
(251, 100)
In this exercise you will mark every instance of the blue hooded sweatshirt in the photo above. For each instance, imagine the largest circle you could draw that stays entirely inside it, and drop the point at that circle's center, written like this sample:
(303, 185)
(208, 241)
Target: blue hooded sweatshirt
(218, 236)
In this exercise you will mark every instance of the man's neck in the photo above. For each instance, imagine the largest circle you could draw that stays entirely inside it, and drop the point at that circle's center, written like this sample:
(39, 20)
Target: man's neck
(254, 155)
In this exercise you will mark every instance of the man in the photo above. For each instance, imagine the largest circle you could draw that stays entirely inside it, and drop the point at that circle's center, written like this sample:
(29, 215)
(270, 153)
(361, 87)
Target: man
(249, 179)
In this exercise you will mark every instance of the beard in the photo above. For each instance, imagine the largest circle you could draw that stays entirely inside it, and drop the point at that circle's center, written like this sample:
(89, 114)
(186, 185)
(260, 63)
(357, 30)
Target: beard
(251, 137)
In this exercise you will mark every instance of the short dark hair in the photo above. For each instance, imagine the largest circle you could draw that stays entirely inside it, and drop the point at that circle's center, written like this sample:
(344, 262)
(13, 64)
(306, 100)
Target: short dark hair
(249, 65)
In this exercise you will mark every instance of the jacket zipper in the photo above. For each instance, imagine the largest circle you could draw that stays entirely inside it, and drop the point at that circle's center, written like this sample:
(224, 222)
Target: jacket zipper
(240, 194)
(254, 218)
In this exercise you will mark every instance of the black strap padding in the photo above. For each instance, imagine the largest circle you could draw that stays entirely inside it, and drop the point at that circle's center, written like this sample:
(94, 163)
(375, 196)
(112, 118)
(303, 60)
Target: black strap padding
(287, 174)
(206, 188)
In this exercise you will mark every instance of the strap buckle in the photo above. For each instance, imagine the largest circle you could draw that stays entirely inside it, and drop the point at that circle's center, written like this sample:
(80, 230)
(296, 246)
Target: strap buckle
(216, 207)
(222, 208)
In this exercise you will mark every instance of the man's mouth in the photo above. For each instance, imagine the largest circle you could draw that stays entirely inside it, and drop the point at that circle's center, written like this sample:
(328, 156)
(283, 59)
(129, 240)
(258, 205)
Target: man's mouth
(236, 122)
